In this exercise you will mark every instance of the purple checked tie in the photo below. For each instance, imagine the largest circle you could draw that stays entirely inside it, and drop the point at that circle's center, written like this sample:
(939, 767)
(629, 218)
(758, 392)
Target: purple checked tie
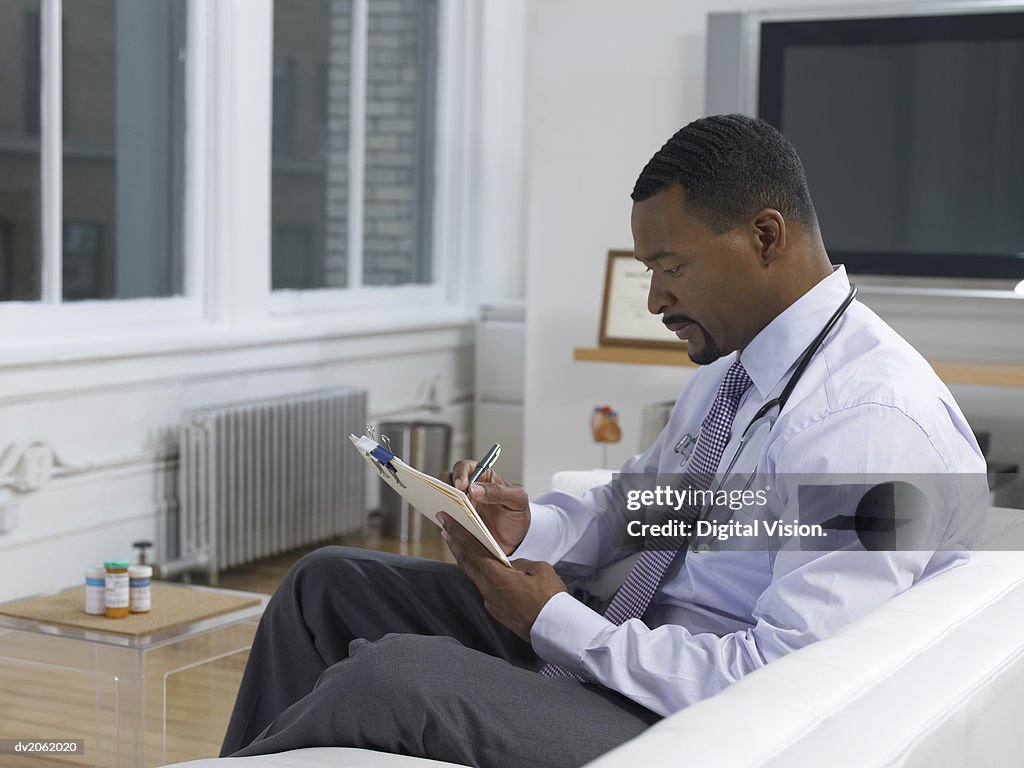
(635, 594)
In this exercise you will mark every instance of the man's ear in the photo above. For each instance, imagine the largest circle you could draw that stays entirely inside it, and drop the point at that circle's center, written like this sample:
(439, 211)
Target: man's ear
(770, 232)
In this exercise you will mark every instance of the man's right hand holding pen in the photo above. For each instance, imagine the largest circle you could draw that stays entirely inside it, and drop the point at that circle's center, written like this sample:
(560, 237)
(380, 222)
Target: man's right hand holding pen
(504, 508)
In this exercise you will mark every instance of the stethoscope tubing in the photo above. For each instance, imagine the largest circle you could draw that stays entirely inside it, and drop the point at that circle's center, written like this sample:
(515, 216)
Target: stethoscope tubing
(805, 360)
(780, 401)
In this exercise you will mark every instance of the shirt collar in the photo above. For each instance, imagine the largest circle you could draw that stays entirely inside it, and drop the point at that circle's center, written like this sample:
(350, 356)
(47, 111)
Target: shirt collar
(780, 343)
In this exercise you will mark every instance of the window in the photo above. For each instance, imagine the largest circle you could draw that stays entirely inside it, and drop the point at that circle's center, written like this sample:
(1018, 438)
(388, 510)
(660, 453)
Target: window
(353, 75)
(351, 122)
(110, 170)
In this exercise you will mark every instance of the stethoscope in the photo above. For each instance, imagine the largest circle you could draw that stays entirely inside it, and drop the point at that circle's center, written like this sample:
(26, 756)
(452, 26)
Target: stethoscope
(765, 415)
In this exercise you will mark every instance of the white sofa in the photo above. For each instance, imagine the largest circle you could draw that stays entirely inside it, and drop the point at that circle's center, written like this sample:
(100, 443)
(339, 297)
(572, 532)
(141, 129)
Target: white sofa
(933, 678)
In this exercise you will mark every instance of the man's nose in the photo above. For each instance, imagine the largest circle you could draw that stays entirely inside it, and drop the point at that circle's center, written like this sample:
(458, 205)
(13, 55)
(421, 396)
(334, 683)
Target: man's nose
(659, 299)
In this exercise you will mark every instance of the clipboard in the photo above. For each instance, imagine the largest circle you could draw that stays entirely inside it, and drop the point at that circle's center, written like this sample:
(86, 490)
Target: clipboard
(426, 494)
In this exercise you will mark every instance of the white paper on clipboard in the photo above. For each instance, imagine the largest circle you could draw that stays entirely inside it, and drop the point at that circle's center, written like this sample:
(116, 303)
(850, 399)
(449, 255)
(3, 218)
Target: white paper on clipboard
(426, 494)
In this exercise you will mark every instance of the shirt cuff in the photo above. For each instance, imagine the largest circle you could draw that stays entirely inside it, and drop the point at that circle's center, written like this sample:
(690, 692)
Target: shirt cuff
(563, 631)
(544, 531)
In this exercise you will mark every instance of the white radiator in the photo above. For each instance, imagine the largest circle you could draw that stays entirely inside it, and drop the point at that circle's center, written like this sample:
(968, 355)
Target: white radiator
(269, 476)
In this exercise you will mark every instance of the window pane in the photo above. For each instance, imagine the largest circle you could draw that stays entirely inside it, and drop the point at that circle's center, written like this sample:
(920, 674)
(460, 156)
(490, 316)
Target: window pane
(309, 180)
(19, 150)
(400, 98)
(123, 94)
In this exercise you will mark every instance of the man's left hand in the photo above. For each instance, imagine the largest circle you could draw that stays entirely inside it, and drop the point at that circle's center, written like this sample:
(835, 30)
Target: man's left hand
(513, 596)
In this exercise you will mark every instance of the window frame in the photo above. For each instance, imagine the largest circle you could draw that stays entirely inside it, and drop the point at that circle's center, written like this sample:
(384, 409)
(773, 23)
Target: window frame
(227, 170)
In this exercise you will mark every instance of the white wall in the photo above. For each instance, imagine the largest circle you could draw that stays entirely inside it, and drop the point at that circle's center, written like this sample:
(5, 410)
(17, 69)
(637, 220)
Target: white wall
(608, 83)
(117, 420)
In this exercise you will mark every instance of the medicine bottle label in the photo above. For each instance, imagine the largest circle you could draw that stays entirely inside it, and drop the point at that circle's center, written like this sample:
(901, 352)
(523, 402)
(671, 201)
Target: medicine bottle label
(117, 590)
(95, 594)
(141, 596)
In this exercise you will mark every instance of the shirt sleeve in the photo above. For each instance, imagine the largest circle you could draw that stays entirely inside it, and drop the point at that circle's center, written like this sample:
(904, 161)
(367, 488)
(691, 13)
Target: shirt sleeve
(808, 597)
(580, 532)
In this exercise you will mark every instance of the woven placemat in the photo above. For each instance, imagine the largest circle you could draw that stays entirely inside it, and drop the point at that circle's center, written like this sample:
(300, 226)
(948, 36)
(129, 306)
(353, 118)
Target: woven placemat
(172, 606)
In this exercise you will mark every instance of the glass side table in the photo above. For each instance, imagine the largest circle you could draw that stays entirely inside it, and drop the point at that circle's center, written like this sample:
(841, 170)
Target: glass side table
(136, 701)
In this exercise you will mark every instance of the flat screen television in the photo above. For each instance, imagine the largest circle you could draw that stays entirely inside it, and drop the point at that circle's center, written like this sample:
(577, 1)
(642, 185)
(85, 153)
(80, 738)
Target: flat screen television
(910, 126)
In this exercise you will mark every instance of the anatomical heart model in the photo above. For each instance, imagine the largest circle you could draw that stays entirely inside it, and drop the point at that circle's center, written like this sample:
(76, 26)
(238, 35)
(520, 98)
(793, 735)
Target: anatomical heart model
(604, 427)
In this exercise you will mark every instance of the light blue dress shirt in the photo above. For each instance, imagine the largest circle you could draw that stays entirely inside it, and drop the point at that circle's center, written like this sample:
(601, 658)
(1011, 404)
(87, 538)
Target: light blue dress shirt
(867, 404)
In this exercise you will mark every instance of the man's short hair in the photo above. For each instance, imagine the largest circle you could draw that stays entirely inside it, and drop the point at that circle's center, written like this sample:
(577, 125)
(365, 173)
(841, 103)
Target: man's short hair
(730, 167)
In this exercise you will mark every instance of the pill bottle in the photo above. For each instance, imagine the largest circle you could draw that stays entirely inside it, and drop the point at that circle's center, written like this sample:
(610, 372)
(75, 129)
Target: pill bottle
(140, 596)
(117, 588)
(96, 590)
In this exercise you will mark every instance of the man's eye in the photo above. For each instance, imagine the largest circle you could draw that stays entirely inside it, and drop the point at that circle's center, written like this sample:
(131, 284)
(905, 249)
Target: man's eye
(673, 271)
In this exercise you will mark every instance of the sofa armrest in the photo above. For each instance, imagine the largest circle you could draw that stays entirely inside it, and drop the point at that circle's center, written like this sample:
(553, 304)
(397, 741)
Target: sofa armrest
(931, 678)
(579, 481)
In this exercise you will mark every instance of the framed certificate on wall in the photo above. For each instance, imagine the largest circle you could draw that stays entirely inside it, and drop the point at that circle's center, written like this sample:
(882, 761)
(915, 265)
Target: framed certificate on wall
(625, 321)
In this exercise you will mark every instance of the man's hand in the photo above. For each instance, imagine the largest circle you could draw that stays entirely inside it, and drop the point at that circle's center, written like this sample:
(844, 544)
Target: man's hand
(513, 596)
(504, 508)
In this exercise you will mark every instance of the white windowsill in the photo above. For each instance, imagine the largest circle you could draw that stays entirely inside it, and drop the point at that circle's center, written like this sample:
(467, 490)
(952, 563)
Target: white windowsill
(382, 298)
(154, 339)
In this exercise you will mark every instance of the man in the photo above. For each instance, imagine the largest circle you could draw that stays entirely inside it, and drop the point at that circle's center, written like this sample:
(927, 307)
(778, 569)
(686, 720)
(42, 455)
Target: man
(723, 219)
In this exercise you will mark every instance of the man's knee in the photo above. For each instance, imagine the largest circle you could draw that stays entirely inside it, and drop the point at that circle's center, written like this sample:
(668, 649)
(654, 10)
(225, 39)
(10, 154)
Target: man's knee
(323, 558)
(364, 563)
(323, 567)
(407, 655)
(407, 649)
(397, 667)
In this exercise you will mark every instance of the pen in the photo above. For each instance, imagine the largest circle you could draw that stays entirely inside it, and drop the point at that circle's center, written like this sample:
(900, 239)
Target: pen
(485, 463)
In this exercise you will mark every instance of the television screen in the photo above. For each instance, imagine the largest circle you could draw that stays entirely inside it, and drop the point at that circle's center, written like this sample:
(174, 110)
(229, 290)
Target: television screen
(911, 131)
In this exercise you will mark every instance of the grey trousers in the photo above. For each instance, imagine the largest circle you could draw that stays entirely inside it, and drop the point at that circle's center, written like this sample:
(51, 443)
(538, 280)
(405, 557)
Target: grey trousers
(398, 654)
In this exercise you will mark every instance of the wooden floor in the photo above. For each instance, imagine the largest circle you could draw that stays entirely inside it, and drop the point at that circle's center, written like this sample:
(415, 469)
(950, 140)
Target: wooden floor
(187, 707)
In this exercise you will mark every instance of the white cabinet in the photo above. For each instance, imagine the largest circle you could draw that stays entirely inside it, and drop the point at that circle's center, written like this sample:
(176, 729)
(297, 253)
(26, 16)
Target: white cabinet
(500, 380)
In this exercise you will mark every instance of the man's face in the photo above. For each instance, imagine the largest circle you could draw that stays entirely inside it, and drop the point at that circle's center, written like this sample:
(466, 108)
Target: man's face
(705, 286)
